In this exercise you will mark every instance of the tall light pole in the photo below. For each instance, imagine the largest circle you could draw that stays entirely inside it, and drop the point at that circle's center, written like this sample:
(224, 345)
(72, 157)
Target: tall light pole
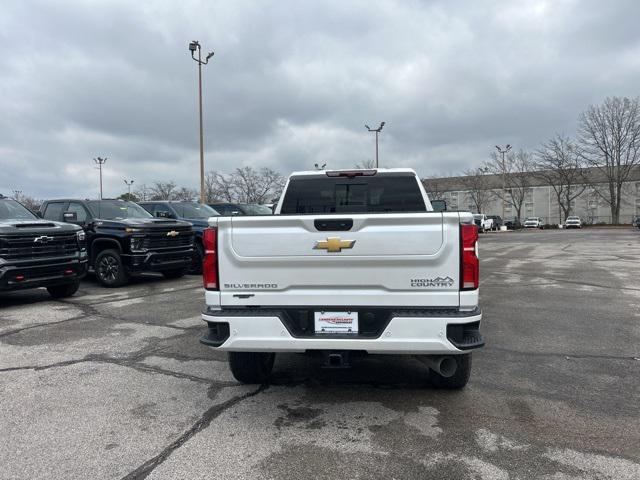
(377, 130)
(129, 183)
(100, 161)
(194, 47)
(503, 152)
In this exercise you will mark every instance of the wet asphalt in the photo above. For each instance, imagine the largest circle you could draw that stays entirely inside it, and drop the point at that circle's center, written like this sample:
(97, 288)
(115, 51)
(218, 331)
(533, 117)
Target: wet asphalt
(113, 383)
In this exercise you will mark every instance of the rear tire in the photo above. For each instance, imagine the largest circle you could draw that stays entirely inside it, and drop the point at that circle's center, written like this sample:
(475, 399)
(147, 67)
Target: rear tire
(176, 273)
(64, 291)
(109, 269)
(459, 379)
(251, 367)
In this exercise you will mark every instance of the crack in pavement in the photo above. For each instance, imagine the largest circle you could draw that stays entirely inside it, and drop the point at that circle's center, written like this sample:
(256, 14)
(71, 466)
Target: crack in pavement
(564, 280)
(29, 327)
(78, 302)
(133, 362)
(144, 470)
(564, 355)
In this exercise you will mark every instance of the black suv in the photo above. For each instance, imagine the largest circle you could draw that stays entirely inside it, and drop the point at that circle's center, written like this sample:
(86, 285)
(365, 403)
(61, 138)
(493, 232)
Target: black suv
(195, 213)
(36, 253)
(124, 239)
(497, 221)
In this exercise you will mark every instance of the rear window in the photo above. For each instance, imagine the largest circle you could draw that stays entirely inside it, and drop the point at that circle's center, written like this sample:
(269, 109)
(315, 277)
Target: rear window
(390, 193)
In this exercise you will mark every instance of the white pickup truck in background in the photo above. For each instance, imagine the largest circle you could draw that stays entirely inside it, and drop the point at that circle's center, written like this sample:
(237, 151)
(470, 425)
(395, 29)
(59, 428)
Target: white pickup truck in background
(484, 223)
(351, 261)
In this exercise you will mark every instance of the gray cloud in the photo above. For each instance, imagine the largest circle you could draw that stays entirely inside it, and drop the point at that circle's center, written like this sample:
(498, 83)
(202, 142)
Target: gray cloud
(292, 84)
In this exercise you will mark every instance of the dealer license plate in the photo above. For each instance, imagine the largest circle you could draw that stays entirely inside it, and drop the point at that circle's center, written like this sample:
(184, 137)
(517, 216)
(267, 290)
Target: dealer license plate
(336, 322)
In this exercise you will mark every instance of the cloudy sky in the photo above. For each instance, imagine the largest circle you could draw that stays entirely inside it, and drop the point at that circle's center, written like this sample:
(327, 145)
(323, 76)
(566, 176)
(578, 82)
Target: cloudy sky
(292, 83)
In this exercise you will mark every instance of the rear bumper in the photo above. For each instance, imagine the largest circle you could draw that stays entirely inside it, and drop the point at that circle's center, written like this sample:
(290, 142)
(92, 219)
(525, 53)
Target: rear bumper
(158, 261)
(46, 273)
(422, 333)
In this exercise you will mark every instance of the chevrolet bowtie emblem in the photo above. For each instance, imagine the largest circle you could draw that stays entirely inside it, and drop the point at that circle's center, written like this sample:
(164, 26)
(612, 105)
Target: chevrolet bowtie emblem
(172, 233)
(333, 244)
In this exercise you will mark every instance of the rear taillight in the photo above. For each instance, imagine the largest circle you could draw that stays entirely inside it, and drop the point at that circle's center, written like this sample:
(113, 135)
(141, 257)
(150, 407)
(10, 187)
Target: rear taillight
(210, 261)
(469, 262)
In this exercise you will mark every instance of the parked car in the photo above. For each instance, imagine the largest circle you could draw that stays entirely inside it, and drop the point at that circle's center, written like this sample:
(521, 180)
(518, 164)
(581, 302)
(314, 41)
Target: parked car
(323, 276)
(38, 253)
(636, 221)
(232, 209)
(513, 223)
(573, 222)
(195, 213)
(534, 222)
(497, 221)
(483, 222)
(124, 239)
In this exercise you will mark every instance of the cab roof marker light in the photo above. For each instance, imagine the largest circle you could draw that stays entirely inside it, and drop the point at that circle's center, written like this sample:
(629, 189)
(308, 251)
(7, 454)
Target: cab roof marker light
(351, 173)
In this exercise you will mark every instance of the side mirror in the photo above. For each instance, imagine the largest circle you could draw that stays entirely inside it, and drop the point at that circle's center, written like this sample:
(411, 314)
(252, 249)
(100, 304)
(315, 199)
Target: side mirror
(70, 217)
(439, 205)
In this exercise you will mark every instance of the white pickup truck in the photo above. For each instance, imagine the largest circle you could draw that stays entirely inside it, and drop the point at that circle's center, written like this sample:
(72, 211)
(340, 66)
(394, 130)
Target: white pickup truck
(483, 222)
(351, 261)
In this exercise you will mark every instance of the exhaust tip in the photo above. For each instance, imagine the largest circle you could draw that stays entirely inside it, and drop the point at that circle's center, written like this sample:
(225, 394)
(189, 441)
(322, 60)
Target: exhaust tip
(448, 367)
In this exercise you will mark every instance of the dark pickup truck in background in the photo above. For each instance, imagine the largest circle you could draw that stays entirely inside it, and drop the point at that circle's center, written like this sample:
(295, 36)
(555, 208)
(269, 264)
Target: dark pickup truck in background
(38, 253)
(195, 213)
(124, 239)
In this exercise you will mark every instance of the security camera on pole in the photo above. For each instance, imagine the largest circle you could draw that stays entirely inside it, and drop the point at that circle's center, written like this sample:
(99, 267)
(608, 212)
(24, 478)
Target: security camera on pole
(194, 47)
(100, 161)
(503, 151)
(377, 130)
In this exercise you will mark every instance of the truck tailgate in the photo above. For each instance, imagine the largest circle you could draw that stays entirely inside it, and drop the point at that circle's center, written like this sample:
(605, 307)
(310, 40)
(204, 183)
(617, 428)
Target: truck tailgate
(400, 260)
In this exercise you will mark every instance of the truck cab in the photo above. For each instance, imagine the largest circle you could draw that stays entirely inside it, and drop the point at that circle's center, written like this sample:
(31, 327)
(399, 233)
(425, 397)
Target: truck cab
(39, 253)
(352, 261)
(123, 239)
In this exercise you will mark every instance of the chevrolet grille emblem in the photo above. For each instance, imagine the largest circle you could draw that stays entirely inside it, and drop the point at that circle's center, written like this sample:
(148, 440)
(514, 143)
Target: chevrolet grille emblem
(333, 244)
(172, 233)
(42, 239)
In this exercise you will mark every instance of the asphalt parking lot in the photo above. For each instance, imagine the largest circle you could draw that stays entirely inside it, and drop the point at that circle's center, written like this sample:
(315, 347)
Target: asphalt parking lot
(114, 384)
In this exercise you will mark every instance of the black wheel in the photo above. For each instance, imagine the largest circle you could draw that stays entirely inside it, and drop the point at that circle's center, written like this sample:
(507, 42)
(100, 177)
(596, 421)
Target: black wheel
(198, 257)
(63, 291)
(175, 273)
(251, 367)
(109, 269)
(459, 379)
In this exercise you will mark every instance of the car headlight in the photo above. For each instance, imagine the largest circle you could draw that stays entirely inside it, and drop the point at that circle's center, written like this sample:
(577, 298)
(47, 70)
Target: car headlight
(81, 235)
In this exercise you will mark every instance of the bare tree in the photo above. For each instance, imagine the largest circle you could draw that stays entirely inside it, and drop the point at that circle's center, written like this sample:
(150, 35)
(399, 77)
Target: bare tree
(609, 140)
(142, 193)
(559, 164)
(185, 194)
(130, 196)
(244, 185)
(517, 177)
(478, 187)
(31, 203)
(162, 190)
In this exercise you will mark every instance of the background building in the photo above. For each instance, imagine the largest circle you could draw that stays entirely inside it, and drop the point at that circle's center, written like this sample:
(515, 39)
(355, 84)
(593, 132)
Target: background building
(540, 199)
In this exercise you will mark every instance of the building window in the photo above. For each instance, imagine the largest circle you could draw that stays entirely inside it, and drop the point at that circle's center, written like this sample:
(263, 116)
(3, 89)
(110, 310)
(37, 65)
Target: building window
(529, 208)
(529, 195)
